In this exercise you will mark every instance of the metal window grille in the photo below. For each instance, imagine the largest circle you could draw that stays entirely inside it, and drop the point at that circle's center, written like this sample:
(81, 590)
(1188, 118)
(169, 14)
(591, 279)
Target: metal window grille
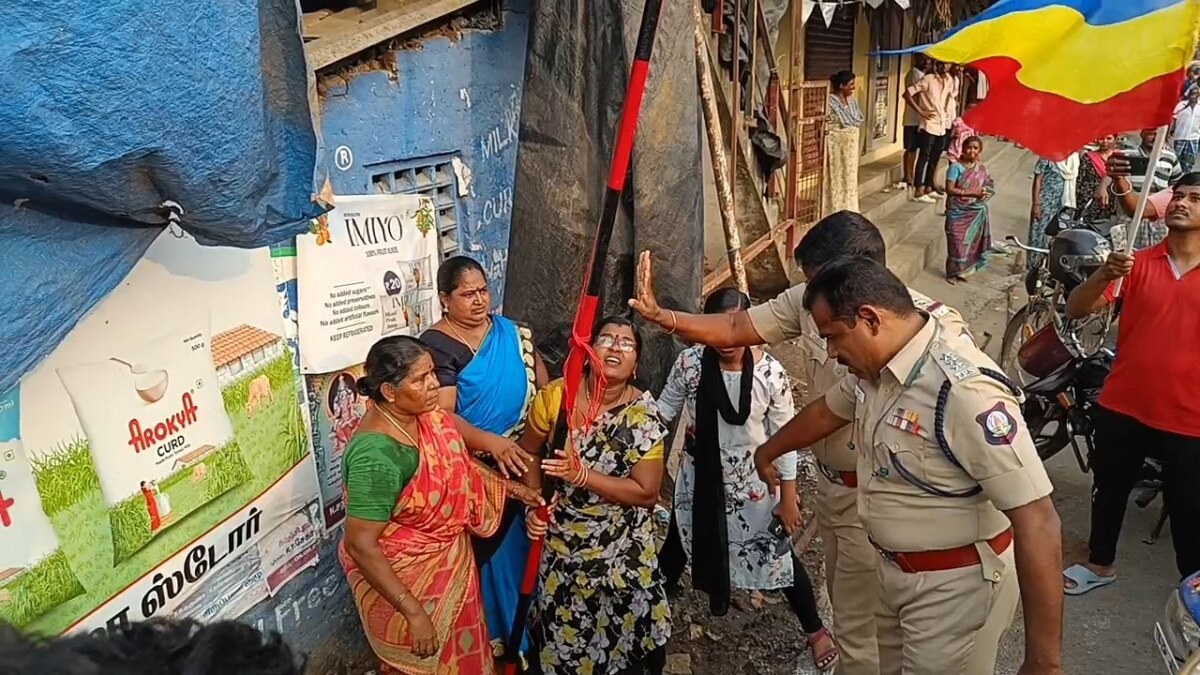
(431, 177)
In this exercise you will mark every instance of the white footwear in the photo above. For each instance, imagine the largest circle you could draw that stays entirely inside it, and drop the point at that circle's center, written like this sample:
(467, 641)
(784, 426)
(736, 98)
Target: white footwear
(900, 185)
(939, 195)
(925, 199)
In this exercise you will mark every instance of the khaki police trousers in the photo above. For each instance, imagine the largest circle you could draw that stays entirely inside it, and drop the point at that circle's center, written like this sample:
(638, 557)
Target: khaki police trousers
(850, 575)
(946, 623)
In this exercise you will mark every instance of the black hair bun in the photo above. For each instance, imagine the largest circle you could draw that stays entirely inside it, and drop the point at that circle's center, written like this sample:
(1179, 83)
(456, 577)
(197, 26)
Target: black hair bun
(364, 387)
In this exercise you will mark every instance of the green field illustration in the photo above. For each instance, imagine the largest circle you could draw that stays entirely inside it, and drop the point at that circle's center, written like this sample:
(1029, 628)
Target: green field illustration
(26, 595)
(189, 488)
(269, 440)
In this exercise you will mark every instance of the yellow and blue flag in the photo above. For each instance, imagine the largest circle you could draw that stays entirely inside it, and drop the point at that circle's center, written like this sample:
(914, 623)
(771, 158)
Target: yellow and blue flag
(1063, 73)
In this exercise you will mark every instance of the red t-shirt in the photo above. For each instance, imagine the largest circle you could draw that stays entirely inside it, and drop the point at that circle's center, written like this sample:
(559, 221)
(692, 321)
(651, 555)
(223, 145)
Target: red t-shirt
(1156, 377)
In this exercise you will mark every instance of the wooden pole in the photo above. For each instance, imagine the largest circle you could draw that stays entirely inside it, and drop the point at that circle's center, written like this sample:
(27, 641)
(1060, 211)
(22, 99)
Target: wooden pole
(716, 148)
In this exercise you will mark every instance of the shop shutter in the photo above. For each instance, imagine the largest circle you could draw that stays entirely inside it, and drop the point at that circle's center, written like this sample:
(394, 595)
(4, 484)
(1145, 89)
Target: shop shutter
(829, 49)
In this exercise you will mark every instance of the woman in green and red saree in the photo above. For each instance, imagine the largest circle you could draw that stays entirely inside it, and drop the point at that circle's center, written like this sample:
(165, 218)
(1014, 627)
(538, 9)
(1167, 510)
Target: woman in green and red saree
(414, 495)
(488, 372)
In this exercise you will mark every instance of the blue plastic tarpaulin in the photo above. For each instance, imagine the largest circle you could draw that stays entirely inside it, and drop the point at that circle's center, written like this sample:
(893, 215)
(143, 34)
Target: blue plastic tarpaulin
(119, 117)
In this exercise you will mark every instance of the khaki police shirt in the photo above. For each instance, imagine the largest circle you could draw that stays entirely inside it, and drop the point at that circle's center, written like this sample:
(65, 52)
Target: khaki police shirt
(785, 318)
(893, 423)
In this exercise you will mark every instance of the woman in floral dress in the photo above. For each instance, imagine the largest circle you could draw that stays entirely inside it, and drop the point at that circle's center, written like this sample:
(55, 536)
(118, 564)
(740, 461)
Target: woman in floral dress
(601, 608)
(736, 399)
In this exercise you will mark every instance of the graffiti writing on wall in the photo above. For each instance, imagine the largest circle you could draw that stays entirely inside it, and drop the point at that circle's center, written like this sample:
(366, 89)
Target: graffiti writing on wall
(504, 133)
(499, 206)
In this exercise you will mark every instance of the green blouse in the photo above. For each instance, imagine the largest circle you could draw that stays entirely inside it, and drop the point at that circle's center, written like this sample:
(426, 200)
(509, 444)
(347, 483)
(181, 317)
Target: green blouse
(375, 470)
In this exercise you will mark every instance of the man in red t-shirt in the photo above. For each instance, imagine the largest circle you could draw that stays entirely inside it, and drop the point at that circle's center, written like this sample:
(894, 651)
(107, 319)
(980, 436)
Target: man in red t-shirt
(1150, 403)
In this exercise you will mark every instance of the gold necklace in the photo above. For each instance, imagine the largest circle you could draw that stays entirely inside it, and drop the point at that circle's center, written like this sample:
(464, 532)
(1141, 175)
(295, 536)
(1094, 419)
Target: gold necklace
(462, 339)
(587, 397)
(398, 427)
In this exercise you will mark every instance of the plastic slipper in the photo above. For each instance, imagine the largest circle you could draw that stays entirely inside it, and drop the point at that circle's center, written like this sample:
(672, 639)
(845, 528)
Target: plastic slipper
(1085, 580)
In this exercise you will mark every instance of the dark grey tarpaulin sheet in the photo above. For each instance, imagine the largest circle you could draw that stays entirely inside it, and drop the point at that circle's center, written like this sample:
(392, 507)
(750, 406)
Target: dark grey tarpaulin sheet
(575, 79)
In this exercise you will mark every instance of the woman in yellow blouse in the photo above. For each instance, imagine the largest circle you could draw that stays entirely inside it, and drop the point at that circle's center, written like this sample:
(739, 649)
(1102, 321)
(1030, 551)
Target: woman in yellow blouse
(602, 608)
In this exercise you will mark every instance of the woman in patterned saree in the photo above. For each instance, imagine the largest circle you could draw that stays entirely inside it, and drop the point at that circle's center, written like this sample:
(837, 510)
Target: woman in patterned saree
(968, 231)
(488, 372)
(736, 399)
(602, 609)
(413, 496)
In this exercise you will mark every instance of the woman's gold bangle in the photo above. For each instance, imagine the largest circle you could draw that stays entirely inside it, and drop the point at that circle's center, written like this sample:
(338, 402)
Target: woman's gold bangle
(674, 322)
(400, 599)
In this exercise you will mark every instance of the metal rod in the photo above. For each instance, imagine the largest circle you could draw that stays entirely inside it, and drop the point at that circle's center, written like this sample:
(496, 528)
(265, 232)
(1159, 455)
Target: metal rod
(716, 148)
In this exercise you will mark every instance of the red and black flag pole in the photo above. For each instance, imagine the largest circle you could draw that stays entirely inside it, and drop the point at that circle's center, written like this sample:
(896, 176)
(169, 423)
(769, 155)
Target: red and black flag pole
(589, 302)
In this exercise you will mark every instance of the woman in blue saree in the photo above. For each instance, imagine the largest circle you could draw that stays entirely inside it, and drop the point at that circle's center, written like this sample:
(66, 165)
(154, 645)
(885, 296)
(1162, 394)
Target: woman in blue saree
(489, 372)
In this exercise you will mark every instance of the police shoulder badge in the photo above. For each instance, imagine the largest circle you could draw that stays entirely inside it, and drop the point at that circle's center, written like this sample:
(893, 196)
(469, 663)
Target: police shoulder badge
(999, 427)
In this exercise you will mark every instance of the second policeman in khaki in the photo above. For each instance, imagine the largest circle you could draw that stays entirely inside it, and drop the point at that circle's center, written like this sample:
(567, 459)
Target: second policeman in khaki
(951, 492)
(851, 560)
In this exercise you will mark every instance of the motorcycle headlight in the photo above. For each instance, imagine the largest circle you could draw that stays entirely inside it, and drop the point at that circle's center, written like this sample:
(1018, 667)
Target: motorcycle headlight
(1182, 633)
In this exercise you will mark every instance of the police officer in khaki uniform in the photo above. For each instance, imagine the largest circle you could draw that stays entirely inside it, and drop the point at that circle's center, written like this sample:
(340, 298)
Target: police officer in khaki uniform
(951, 491)
(850, 559)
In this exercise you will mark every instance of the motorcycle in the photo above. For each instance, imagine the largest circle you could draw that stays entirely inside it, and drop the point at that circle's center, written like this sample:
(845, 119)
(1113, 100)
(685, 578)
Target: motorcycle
(1178, 634)
(1061, 364)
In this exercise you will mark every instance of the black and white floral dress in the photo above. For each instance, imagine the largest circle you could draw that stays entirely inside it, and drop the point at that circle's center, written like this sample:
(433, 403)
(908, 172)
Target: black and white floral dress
(749, 506)
(601, 606)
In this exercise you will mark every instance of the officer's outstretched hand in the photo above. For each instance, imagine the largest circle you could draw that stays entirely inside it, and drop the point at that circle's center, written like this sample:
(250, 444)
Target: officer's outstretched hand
(643, 302)
(766, 471)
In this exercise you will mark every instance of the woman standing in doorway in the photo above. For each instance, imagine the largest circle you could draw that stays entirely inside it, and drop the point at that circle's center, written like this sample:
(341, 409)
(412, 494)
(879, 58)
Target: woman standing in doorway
(841, 145)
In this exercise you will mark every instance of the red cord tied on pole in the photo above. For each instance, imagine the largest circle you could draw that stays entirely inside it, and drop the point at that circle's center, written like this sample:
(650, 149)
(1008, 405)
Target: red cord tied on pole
(580, 345)
(581, 351)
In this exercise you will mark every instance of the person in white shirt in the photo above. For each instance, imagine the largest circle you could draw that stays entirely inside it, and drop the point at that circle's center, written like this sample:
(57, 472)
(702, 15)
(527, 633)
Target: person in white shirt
(930, 96)
(1186, 130)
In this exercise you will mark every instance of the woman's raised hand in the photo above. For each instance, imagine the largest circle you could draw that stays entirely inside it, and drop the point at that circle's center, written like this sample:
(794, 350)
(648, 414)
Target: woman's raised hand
(643, 302)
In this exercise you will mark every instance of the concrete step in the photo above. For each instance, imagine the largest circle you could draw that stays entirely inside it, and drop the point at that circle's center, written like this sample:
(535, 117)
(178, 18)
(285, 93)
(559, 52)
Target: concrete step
(915, 232)
(879, 175)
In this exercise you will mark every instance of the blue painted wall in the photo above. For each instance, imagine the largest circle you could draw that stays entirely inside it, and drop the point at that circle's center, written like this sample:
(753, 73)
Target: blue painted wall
(447, 98)
(460, 99)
